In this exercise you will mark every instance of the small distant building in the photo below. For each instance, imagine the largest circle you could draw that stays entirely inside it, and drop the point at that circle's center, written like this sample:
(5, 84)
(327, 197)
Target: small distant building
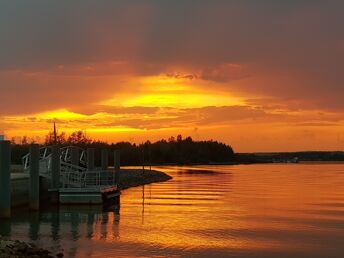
(2, 137)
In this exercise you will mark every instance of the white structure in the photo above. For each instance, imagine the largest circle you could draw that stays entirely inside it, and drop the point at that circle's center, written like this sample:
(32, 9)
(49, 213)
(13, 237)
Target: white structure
(2, 137)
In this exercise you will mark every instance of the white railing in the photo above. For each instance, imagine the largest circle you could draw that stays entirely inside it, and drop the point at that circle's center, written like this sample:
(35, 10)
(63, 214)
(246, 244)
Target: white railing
(72, 175)
(88, 179)
(44, 154)
(68, 167)
(66, 155)
(65, 160)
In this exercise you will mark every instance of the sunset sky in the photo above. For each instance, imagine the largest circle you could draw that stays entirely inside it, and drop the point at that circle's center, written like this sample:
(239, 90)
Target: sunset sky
(260, 75)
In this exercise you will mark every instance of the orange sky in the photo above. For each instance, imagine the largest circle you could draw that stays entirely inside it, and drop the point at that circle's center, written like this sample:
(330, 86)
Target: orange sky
(261, 77)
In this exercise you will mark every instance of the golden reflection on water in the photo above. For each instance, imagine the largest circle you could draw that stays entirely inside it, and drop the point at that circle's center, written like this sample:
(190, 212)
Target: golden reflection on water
(242, 207)
(224, 211)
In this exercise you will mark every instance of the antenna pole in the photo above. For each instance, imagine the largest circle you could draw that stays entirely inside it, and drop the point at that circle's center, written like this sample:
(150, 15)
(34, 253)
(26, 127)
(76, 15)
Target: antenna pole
(55, 134)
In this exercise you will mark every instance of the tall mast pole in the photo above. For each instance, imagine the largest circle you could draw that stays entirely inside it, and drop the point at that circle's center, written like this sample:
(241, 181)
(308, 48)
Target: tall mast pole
(55, 134)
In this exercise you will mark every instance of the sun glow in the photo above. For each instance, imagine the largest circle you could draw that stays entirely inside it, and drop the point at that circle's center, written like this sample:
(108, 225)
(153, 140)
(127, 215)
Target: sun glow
(181, 100)
(59, 114)
(165, 91)
(113, 129)
(156, 107)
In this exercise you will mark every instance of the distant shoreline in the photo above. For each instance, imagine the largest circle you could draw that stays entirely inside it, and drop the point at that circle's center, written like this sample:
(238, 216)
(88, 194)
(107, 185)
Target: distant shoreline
(248, 163)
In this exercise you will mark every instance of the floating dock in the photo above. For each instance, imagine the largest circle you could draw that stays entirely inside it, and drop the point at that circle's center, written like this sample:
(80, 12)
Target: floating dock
(88, 195)
(74, 178)
(65, 175)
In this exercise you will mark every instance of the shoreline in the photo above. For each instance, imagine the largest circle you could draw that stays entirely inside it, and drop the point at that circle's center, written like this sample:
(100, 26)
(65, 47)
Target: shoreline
(18, 249)
(134, 177)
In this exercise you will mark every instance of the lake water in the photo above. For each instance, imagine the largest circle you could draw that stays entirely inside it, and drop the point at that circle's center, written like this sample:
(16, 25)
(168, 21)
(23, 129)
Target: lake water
(277, 210)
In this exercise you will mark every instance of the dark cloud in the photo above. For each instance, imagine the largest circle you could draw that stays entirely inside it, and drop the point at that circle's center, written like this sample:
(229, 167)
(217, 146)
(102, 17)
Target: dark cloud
(183, 76)
(281, 49)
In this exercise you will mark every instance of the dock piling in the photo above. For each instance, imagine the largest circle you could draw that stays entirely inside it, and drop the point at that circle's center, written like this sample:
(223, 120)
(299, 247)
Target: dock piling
(105, 159)
(34, 177)
(55, 167)
(5, 179)
(117, 159)
(74, 156)
(90, 159)
(55, 173)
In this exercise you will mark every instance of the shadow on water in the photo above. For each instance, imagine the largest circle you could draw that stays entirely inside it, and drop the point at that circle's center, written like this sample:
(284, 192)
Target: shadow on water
(52, 226)
(5, 227)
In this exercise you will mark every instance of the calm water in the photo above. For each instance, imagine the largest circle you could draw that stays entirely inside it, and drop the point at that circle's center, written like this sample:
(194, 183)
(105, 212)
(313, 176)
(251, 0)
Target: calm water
(219, 211)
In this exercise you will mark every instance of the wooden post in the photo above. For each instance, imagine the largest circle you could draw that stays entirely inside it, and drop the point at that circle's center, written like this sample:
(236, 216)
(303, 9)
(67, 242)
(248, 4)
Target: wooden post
(34, 177)
(117, 160)
(90, 159)
(5, 179)
(105, 159)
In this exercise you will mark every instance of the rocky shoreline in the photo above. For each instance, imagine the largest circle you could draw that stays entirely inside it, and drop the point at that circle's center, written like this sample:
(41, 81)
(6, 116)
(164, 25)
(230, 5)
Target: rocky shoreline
(18, 249)
(136, 177)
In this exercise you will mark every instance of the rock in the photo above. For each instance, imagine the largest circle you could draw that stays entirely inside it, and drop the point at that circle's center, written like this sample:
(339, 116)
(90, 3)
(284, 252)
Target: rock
(17, 249)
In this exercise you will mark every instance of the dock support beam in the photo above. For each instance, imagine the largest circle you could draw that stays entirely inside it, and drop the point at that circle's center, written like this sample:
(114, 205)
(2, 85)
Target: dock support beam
(55, 173)
(74, 156)
(34, 177)
(55, 167)
(90, 159)
(105, 159)
(117, 160)
(5, 179)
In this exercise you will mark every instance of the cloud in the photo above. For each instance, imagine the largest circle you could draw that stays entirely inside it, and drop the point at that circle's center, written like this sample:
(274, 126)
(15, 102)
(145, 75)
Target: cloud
(27, 92)
(268, 48)
(224, 73)
(138, 110)
(182, 76)
(278, 62)
(246, 128)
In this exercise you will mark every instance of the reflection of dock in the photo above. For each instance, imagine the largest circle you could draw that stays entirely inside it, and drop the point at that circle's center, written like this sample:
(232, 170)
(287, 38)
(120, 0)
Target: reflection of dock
(60, 227)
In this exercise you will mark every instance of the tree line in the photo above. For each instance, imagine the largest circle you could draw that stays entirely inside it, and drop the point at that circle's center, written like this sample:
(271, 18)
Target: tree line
(174, 150)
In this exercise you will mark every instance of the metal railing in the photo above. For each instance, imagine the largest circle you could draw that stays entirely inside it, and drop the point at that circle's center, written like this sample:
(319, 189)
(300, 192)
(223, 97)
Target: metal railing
(88, 179)
(65, 158)
(72, 175)
(44, 153)
(66, 155)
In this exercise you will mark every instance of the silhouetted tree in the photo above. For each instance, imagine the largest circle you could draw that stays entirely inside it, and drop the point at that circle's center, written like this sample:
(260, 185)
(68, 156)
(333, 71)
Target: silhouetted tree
(24, 140)
(177, 150)
(60, 138)
(79, 138)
